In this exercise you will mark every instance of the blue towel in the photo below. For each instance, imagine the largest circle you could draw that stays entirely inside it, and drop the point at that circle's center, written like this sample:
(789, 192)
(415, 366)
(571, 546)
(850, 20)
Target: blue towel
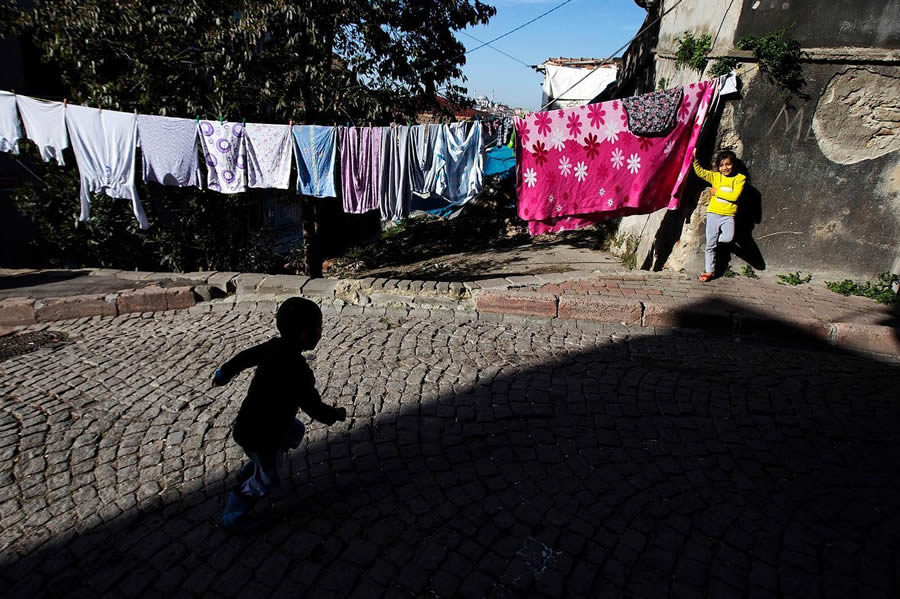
(316, 151)
(499, 161)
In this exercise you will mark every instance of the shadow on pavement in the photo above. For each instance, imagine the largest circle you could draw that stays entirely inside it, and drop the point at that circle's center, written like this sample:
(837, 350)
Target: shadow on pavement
(40, 278)
(665, 465)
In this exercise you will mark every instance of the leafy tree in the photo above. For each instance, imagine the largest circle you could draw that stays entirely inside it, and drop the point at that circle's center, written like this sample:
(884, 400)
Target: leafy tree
(316, 61)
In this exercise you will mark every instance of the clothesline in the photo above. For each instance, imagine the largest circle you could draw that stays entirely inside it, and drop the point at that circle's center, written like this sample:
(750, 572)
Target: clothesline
(380, 168)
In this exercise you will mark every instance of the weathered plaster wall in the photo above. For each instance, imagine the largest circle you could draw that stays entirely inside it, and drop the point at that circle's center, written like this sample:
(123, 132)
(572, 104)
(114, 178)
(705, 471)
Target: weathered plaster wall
(835, 23)
(828, 181)
(825, 174)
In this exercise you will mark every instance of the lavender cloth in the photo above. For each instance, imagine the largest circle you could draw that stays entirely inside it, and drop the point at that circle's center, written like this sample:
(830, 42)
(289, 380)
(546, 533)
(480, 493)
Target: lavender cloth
(361, 168)
(169, 150)
(226, 156)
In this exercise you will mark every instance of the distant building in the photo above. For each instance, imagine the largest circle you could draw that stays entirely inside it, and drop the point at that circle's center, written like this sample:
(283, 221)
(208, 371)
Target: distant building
(575, 81)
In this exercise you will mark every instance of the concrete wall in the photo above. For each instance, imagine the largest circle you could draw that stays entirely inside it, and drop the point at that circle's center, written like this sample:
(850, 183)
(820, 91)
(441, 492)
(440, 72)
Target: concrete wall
(825, 173)
(835, 23)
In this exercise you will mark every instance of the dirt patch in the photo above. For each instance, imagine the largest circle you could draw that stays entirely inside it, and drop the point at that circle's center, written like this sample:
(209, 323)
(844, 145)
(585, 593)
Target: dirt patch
(16, 345)
(485, 240)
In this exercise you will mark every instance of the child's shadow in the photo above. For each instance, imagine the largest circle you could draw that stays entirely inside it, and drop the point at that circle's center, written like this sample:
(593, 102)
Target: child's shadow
(749, 214)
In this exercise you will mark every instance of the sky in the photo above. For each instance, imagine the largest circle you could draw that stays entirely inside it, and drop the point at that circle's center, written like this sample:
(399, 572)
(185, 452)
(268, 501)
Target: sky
(581, 28)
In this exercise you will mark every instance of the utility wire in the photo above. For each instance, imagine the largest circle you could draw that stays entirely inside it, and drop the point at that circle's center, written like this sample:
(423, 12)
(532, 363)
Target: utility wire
(496, 49)
(625, 45)
(487, 43)
(510, 32)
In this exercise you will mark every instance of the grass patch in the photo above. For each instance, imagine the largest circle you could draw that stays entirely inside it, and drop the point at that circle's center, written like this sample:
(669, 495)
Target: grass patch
(748, 272)
(882, 290)
(793, 278)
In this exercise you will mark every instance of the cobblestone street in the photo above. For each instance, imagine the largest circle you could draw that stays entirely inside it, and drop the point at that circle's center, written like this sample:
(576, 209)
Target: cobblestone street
(481, 460)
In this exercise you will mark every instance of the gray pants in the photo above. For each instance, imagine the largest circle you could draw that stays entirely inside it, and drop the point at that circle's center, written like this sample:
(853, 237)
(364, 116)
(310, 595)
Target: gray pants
(719, 229)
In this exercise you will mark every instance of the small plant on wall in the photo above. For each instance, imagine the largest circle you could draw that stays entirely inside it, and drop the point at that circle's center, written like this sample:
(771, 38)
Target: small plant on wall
(692, 51)
(780, 60)
(723, 66)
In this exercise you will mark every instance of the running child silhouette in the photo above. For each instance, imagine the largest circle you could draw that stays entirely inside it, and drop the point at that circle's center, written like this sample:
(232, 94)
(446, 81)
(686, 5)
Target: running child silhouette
(727, 187)
(266, 426)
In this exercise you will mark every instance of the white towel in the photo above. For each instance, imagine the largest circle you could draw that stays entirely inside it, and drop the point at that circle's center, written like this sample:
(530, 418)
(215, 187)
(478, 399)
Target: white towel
(45, 125)
(269, 155)
(10, 132)
(104, 143)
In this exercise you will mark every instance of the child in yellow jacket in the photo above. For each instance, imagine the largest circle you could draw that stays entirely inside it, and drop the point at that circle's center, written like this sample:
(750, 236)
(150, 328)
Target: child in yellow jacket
(727, 187)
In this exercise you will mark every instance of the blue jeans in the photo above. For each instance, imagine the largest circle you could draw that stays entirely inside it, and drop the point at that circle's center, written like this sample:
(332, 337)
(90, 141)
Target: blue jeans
(260, 474)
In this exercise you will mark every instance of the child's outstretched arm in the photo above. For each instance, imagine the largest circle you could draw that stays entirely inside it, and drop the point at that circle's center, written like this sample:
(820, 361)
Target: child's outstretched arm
(702, 172)
(311, 402)
(246, 359)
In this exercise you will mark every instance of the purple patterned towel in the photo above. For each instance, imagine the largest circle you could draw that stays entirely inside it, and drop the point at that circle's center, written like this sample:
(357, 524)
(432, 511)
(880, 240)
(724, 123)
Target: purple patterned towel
(654, 114)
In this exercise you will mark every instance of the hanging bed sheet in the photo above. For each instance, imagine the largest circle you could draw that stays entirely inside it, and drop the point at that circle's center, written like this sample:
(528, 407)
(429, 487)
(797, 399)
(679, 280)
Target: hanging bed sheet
(580, 166)
(452, 160)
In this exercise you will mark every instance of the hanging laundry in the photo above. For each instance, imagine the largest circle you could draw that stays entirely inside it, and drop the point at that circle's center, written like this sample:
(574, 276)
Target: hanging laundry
(654, 114)
(361, 168)
(169, 150)
(457, 174)
(499, 161)
(579, 166)
(269, 155)
(10, 132)
(421, 145)
(45, 125)
(395, 183)
(504, 138)
(316, 150)
(226, 156)
(450, 161)
(104, 143)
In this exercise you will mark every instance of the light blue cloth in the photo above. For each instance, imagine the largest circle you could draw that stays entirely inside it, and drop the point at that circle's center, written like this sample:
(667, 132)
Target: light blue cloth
(450, 161)
(457, 174)
(499, 161)
(316, 150)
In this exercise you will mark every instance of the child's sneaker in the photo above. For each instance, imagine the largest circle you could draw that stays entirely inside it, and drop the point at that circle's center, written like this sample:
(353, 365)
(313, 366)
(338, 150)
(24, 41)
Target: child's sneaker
(705, 277)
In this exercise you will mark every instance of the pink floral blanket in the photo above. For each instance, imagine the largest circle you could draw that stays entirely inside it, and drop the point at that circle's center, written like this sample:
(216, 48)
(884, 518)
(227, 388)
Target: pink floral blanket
(580, 166)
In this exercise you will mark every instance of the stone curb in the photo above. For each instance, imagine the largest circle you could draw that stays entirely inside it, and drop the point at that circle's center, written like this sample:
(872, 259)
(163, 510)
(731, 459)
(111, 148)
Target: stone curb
(501, 299)
(26, 311)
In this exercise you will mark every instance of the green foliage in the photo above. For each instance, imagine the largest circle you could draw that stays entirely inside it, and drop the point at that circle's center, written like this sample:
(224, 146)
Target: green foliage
(748, 272)
(395, 229)
(662, 84)
(729, 274)
(793, 278)
(692, 51)
(882, 290)
(629, 245)
(723, 66)
(316, 62)
(356, 252)
(779, 59)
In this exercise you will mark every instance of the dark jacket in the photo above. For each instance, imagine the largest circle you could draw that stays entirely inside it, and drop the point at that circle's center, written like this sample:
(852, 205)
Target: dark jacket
(282, 384)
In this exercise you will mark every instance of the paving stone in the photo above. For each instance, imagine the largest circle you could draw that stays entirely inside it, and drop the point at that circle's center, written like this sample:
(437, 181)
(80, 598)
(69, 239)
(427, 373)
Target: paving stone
(281, 285)
(602, 309)
(147, 299)
(246, 283)
(16, 311)
(520, 304)
(507, 457)
(319, 288)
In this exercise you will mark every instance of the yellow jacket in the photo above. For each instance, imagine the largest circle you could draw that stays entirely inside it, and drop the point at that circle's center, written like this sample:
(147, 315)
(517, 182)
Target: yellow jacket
(728, 190)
